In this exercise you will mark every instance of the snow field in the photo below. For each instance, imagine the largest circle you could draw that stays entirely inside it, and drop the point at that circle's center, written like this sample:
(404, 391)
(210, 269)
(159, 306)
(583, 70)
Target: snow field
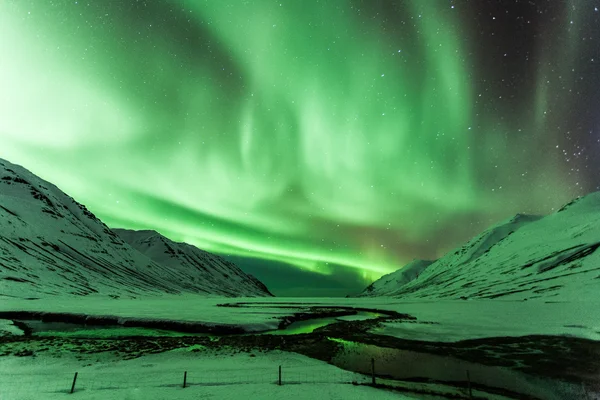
(437, 320)
(209, 375)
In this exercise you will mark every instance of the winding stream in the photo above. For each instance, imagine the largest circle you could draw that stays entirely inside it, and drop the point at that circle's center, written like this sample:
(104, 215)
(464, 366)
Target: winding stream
(73, 330)
(407, 363)
(309, 326)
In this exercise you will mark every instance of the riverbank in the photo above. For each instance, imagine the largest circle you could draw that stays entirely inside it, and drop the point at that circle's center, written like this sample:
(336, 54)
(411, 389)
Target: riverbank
(466, 343)
(223, 374)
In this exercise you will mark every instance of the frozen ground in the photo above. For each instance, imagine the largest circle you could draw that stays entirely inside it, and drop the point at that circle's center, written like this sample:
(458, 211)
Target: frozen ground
(448, 321)
(7, 328)
(439, 329)
(188, 308)
(436, 320)
(217, 375)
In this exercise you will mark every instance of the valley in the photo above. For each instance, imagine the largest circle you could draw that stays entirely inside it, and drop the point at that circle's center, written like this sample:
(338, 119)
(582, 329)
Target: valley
(415, 354)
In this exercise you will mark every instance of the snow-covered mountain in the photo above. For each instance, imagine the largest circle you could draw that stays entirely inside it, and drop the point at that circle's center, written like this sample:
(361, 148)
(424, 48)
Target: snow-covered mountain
(52, 245)
(207, 270)
(392, 281)
(526, 257)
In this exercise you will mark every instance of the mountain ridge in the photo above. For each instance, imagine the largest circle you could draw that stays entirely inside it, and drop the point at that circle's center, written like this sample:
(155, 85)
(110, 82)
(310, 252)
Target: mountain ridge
(52, 245)
(523, 257)
(186, 257)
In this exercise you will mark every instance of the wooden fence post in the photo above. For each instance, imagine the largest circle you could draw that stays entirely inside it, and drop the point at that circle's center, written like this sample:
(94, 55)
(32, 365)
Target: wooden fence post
(184, 378)
(280, 375)
(587, 396)
(469, 383)
(373, 371)
(73, 385)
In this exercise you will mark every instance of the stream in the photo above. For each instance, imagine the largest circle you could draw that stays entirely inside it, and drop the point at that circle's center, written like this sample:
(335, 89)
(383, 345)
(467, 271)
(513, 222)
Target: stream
(345, 341)
(406, 365)
(84, 331)
(309, 326)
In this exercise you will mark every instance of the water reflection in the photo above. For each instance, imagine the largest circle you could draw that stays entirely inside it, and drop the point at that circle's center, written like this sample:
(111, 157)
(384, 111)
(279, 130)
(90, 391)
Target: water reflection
(65, 329)
(308, 326)
(407, 365)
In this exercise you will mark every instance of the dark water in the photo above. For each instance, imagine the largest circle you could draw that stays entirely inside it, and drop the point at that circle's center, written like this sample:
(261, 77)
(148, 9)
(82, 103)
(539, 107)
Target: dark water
(65, 329)
(310, 325)
(406, 365)
(392, 363)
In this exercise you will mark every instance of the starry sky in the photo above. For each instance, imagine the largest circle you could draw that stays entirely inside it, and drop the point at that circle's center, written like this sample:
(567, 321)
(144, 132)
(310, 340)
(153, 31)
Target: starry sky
(317, 144)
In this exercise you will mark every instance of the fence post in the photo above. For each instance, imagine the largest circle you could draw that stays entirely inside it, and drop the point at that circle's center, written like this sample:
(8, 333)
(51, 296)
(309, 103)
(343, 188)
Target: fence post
(73, 385)
(184, 378)
(373, 371)
(587, 397)
(469, 383)
(280, 375)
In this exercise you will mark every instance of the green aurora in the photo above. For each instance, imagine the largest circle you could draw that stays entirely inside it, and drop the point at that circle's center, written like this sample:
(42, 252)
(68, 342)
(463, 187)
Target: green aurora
(319, 134)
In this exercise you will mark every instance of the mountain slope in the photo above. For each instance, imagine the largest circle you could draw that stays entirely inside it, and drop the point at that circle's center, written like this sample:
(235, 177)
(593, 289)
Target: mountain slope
(525, 257)
(203, 268)
(52, 245)
(389, 283)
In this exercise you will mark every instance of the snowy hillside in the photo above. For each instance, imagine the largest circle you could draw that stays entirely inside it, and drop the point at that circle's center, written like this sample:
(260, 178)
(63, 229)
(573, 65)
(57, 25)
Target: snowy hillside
(204, 269)
(51, 245)
(526, 257)
(390, 282)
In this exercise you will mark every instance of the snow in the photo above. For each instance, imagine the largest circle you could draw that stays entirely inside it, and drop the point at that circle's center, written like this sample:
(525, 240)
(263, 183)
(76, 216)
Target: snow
(551, 258)
(404, 365)
(7, 328)
(450, 321)
(220, 275)
(185, 308)
(361, 316)
(53, 249)
(52, 245)
(436, 320)
(528, 275)
(392, 281)
(445, 321)
(221, 375)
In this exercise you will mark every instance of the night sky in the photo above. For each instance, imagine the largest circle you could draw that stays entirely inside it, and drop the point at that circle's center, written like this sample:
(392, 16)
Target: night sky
(318, 144)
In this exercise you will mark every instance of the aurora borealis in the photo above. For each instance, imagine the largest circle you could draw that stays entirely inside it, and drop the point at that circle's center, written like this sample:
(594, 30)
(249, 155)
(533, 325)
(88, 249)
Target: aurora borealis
(338, 137)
